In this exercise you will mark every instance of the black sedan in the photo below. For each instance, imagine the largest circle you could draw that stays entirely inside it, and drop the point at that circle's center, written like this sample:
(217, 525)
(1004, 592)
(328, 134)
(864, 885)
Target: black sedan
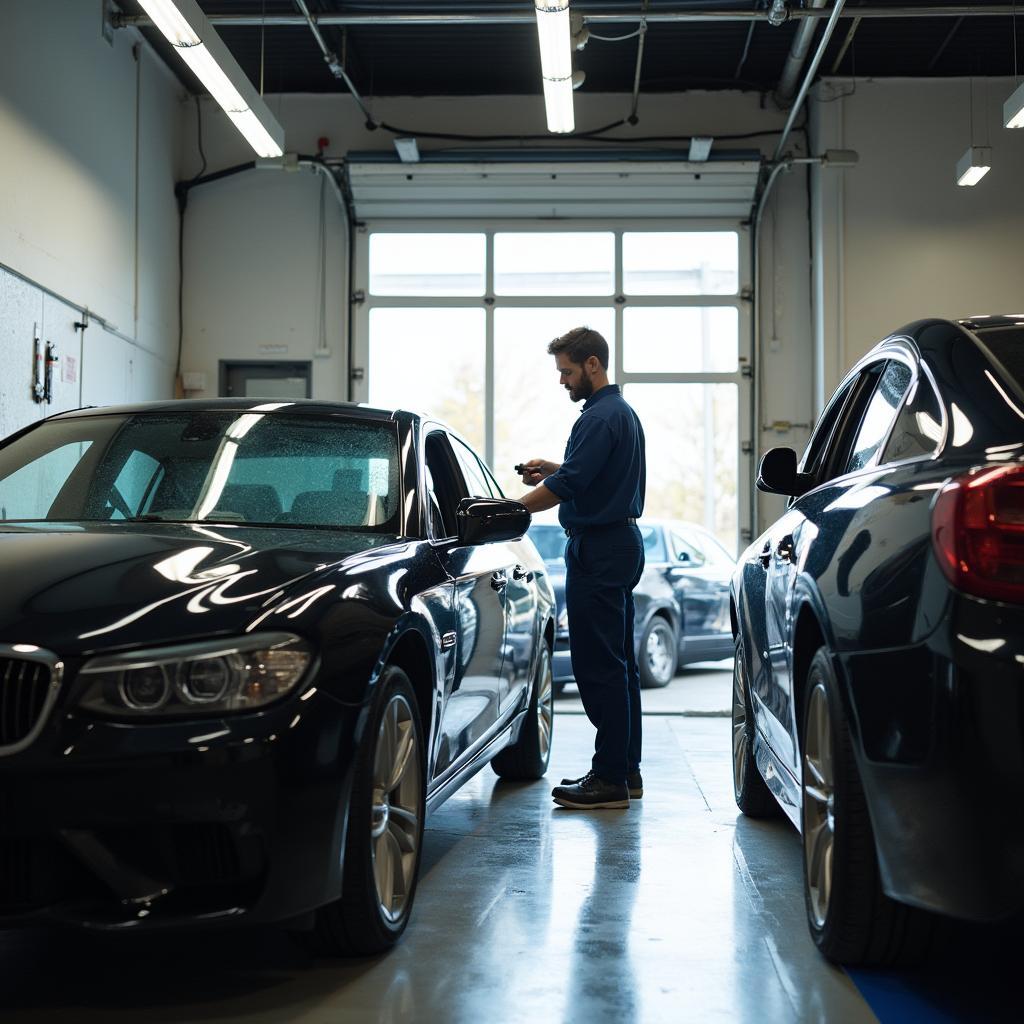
(879, 627)
(244, 649)
(682, 599)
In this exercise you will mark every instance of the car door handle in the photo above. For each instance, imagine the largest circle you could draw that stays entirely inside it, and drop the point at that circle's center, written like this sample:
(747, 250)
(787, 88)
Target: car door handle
(787, 548)
(519, 573)
(766, 554)
(499, 581)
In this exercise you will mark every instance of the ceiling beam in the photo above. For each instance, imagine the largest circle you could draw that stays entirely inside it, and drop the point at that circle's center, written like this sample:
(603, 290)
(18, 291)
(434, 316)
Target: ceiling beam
(593, 17)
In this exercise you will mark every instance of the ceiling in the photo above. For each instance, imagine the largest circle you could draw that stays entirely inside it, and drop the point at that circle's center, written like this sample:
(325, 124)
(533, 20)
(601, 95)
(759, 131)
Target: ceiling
(477, 58)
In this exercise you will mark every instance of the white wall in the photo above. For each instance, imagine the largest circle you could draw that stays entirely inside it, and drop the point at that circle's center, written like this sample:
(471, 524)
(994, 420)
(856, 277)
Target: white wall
(895, 238)
(87, 208)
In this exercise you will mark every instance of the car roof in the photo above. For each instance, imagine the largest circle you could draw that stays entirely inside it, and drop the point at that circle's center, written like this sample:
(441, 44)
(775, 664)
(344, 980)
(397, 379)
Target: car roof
(299, 406)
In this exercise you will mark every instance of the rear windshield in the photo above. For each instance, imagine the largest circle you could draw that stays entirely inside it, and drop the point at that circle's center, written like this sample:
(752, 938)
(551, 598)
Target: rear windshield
(216, 467)
(1007, 345)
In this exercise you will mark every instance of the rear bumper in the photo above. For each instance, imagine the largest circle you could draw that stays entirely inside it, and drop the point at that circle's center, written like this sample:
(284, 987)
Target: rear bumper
(942, 759)
(245, 824)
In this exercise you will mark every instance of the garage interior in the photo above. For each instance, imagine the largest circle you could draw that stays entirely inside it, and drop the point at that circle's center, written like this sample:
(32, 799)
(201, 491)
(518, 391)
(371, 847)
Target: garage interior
(778, 178)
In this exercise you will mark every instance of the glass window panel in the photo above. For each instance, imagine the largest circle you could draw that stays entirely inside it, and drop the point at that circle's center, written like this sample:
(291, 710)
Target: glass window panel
(692, 453)
(678, 339)
(430, 361)
(554, 263)
(680, 262)
(880, 413)
(533, 413)
(427, 264)
(918, 428)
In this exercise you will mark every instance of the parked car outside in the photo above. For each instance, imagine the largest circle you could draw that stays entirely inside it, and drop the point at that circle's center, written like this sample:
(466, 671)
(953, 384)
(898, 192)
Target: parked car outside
(682, 599)
(879, 640)
(244, 650)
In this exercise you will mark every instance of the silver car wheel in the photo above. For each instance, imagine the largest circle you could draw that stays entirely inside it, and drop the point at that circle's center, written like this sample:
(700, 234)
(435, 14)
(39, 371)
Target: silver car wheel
(395, 814)
(818, 804)
(545, 707)
(659, 652)
(739, 728)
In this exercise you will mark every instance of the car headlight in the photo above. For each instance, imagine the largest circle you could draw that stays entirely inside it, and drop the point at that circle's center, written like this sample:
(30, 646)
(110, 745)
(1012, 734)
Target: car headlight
(563, 621)
(212, 677)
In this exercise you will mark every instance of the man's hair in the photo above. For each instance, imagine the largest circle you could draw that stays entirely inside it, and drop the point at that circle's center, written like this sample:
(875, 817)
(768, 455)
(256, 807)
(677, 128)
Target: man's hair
(579, 345)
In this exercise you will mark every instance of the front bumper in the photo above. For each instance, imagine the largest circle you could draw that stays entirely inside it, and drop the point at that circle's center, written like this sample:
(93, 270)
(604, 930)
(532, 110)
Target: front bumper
(942, 760)
(115, 826)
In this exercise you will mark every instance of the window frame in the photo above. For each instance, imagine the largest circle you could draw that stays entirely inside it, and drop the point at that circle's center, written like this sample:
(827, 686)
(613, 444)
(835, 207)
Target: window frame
(360, 369)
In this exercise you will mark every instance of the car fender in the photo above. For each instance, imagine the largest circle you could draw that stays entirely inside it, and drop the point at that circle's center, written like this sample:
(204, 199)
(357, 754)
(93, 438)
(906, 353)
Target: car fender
(650, 609)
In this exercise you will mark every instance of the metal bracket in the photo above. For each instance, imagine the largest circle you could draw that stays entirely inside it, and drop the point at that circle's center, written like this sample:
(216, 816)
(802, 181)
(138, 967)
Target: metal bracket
(747, 447)
(747, 371)
(358, 373)
(38, 387)
(358, 297)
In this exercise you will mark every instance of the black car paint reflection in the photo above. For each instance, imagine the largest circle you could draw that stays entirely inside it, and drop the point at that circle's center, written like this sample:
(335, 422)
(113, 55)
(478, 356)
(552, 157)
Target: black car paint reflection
(929, 675)
(682, 599)
(111, 821)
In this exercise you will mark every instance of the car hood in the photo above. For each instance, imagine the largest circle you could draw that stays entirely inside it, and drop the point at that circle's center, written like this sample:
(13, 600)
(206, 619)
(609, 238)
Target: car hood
(74, 589)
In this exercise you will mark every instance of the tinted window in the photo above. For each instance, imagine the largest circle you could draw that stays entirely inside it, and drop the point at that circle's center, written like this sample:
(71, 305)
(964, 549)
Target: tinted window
(654, 546)
(1007, 345)
(816, 450)
(550, 541)
(477, 483)
(686, 549)
(879, 414)
(918, 428)
(246, 467)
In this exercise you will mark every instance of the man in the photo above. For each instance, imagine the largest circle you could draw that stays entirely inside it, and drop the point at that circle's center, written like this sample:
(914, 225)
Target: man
(600, 490)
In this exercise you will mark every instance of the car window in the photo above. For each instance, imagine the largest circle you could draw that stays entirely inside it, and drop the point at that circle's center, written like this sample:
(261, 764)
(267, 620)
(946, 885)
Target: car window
(714, 552)
(445, 488)
(918, 428)
(654, 545)
(686, 549)
(31, 489)
(879, 414)
(817, 448)
(211, 466)
(477, 484)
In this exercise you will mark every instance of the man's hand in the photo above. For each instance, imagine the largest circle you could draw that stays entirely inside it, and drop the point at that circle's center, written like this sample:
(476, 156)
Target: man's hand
(536, 470)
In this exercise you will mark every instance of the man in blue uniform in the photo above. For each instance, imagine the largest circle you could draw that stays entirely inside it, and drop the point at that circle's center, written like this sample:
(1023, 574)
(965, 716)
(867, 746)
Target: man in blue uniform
(599, 489)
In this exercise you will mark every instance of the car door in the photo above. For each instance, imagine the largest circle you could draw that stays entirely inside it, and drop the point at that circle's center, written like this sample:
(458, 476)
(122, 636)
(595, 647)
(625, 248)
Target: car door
(829, 520)
(701, 586)
(520, 594)
(473, 691)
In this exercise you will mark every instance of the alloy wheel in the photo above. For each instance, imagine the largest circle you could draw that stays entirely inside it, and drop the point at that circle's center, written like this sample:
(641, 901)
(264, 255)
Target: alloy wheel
(395, 815)
(818, 804)
(739, 727)
(545, 709)
(658, 653)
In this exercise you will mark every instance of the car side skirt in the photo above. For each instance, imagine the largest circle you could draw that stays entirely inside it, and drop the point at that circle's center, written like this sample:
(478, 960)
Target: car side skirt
(777, 777)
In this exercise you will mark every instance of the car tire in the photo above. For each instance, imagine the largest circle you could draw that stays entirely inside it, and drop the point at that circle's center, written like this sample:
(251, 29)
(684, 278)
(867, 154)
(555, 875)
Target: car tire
(753, 797)
(658, 657)
(384, 838)
(528, 757)
(851, 919)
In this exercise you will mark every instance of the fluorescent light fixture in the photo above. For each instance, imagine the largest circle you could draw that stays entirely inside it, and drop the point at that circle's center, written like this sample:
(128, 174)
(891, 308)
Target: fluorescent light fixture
(408, 151)
(700, 149)
(973, 165)
(189, 31)
(1013, 109)
(558, 103)
(555, 37)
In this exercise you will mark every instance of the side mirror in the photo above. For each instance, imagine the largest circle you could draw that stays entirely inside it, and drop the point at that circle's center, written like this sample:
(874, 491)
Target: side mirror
(777, 474)
(491, 520)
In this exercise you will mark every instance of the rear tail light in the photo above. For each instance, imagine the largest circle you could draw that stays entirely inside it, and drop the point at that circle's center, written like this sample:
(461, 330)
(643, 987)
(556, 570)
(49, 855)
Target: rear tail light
(978, 532)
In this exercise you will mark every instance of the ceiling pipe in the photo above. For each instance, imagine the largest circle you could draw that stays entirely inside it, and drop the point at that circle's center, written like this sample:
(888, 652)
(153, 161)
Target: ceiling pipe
(797, 58)
(331, 60)
(514, 18)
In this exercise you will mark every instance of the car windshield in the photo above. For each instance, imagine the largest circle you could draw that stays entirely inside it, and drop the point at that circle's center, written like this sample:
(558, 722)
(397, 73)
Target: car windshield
(211, 466)
(550, 541)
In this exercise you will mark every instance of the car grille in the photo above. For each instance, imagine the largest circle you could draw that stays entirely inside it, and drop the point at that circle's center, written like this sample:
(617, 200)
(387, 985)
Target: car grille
(23, 688)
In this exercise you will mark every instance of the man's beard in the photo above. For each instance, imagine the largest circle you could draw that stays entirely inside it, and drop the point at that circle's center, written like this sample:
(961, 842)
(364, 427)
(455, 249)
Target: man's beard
(583, 390)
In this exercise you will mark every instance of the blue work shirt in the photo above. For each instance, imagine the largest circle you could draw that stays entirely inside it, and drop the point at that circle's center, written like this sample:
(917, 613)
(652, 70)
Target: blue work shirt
(604, 475)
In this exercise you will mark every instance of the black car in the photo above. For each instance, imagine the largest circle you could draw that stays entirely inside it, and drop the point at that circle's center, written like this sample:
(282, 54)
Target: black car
(878, 695)
(682, 599)
(244, 649)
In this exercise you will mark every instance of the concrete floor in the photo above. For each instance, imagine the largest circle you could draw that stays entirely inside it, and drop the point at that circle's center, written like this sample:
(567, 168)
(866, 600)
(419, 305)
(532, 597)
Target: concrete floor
(675, 910)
